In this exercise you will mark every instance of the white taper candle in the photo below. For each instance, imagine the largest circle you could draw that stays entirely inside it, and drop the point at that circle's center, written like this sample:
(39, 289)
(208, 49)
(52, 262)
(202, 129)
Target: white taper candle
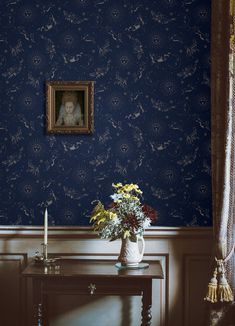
(45, 226)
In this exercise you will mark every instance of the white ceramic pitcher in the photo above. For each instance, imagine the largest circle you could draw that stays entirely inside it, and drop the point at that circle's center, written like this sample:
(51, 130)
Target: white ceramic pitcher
(130, 253)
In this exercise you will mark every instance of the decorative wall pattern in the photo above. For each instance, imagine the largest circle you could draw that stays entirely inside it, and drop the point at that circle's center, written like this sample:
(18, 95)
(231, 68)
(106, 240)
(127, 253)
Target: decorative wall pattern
(150, 61)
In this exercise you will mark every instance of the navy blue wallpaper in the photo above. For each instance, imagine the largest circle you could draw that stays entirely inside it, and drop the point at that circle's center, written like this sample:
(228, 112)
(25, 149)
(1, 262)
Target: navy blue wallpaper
(150, 61)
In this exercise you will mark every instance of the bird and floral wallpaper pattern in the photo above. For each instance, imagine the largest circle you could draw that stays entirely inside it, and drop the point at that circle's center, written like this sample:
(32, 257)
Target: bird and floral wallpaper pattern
(150, 61)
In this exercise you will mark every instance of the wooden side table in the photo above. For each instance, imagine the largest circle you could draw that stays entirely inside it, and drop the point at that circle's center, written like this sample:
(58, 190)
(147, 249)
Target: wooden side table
(90, 277)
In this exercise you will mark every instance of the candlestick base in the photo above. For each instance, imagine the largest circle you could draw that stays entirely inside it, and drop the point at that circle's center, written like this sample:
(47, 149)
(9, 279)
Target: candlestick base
(41, 258)
(51, 262)
(38, 258)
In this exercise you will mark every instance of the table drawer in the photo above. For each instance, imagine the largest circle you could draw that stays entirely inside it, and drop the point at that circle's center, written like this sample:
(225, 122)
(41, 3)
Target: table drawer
(93, 286)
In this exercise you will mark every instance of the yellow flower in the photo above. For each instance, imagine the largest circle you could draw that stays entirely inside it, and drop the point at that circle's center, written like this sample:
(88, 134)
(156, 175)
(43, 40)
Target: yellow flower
(138, 192)
(117, 185)
(127, 196)
(126, 234)
(130, 187)
(112, 215)
(100, 215)
(135, 198)
(97, 211)
(94, 217)
(101, 220)
(136, 188)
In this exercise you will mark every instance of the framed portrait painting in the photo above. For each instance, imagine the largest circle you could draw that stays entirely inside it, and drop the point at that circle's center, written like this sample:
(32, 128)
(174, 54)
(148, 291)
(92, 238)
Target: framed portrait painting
(70, 107)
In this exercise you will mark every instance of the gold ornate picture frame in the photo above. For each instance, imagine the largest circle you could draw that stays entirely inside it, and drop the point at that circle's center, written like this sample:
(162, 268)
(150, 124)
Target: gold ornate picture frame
(70, 107)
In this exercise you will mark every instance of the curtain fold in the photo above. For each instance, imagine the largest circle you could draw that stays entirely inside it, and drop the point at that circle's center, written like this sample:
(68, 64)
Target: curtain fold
(223, 127)
(224, 151)
(221, 287)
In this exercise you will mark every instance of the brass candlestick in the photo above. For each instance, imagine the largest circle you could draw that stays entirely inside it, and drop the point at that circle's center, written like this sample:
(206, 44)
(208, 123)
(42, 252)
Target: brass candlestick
(43, 258)
(44, 251)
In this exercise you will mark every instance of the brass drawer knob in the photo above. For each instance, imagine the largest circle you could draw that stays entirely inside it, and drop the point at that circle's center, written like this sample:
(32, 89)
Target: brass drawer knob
(92, 288)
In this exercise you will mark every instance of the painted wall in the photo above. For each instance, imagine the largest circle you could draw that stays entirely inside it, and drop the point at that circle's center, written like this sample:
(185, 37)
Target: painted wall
(150, 61)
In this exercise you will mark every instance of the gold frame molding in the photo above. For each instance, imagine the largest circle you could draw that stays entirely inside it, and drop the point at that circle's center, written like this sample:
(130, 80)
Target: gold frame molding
(59, 86)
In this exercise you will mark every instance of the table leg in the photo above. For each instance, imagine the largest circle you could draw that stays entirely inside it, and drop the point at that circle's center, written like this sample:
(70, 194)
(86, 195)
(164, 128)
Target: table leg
(37, 318)
(147, 304)
(37, 304)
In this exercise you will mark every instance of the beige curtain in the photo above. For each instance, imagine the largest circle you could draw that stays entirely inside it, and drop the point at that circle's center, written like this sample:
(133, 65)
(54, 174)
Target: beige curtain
(221, 287)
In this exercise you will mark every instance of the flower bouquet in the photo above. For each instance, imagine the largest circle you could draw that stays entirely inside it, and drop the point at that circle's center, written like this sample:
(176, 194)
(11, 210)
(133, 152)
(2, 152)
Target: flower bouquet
(125, 217)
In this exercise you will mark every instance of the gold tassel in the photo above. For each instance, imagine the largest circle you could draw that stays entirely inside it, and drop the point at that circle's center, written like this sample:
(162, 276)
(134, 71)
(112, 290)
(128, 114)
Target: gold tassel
(212, 289)
(225, 293)
(222, 291)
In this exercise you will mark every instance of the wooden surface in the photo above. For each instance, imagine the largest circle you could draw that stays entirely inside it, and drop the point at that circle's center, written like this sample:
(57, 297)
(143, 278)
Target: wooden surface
(96, 268)
(182, 251)
(89, 277)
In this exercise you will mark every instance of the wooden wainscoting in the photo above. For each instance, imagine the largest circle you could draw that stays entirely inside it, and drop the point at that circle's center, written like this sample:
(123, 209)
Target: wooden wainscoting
(12, 298)
(185, 254)
(196, 267)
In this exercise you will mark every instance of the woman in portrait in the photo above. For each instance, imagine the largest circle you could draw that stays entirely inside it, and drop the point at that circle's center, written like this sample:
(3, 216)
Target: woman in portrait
(70, 111)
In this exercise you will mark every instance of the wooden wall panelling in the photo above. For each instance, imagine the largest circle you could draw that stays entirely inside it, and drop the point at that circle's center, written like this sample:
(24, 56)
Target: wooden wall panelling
(177, 300)
(13, 294)
(195, 280)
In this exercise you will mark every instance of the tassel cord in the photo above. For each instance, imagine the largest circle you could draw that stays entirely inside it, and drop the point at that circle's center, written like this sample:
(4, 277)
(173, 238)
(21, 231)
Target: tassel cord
(218, 287)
